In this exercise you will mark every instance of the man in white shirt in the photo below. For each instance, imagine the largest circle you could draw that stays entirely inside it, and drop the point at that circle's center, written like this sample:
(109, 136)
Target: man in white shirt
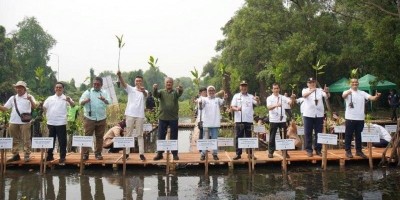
(242, 105)
(211, 107)
(20, 131)
(384, 136)
(135, 112)
(355, 115)
(277, 116)
(56, 107)
(313, 114)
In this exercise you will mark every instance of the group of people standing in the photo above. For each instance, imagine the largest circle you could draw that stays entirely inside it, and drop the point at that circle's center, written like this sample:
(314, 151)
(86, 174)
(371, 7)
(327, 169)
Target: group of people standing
(95, 101)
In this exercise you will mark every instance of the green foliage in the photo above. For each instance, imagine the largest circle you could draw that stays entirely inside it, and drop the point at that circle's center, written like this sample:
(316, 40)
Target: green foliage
(260, 111)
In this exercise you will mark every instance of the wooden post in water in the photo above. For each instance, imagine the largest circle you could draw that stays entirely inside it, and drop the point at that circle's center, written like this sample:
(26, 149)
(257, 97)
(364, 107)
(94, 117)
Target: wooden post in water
(81, 163)
(45, 161)
(324, 148)
(123, 161)
(168, 152)
(41, 160)
(284, 161)
(206, 135)
(371, 164)
(3, 162)
(324, 157)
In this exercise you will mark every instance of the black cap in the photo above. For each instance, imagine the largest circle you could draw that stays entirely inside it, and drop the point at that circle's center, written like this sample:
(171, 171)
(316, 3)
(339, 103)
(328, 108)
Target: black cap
(311, 79)
(243, 83)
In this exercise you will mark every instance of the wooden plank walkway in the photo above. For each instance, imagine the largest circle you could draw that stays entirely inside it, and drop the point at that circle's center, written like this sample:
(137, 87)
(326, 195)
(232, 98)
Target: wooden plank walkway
(225, 158)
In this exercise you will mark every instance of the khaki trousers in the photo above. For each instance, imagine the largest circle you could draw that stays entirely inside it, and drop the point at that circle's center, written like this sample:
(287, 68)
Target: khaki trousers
(97, 128)
(21, 134)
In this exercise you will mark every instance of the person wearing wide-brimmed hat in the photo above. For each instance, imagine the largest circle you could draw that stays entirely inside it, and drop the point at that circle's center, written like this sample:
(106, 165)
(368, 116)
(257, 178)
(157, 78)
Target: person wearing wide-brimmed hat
(20, 131)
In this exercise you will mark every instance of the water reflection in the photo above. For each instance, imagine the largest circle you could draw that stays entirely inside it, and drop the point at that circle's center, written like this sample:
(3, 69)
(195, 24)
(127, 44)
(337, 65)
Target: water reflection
(301, 182)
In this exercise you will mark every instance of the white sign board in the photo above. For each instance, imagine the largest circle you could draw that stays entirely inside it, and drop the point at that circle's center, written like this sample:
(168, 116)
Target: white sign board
(123, 142)
(42, 142)
(369, 130)
(340, 129)
(211, 144)
(147, 127)
(259, 129)
(300, 130)
(370, 137)
(284, 144)
(167, 145)
(225, 142)
(82, 141)
(248, 143)
(391, 128)
(324, 138)
(6, 143)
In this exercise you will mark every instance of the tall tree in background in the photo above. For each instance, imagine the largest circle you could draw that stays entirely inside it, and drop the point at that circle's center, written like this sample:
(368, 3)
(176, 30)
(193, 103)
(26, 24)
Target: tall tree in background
(32, 50)
(9, 68)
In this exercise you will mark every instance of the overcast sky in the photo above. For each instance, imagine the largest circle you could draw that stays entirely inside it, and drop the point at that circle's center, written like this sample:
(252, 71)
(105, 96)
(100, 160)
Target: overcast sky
(182, 34)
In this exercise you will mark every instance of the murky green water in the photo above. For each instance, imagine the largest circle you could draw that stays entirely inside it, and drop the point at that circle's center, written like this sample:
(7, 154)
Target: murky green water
(267, 182)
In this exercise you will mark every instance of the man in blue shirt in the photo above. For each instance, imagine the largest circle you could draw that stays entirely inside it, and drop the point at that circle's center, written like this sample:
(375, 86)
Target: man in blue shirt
(94, 102)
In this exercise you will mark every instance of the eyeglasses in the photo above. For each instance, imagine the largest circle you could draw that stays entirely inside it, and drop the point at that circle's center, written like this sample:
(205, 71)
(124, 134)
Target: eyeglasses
(96, 83)
(59, 87)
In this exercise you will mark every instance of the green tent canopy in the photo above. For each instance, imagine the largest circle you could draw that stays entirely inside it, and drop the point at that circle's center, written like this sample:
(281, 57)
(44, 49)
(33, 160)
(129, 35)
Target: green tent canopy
(365, 83)
(340, 85)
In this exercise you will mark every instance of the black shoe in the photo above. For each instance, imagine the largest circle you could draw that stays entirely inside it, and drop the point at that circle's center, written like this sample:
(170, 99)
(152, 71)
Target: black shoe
(49, 158)
(62, 161)
(309, 154)
(175, 157)
(126, 156)
(361, 154)
(85, 157)
(99, 156)
(237, 157)
(202, 157)
(142, 158)
(215, 157)
(270, 155)
(14, 158)
(158, 157)
(318, 153)
(348, 154)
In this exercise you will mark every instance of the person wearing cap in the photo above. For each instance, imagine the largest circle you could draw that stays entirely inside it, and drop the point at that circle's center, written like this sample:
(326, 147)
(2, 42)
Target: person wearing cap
(134, 112)
(211, 107)
(277, 116)
(168, 113)
(20, 131)
(355, 116)
(115, 131)
(56, 107)
(313, 115)
(94, 102)
(242, 105)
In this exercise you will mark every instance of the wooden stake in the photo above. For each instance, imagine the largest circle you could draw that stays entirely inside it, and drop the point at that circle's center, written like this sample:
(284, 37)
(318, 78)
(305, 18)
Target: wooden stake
(324, 157)
(371, 164)
(123, 162)
(81, 163)
(41, 161)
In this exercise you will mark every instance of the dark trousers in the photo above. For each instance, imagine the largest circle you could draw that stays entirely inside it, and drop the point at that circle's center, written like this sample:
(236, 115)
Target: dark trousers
(394, 113)
(97, 128)
(356, 127)
(162, 131)
(272, 134)
(381, 144)
(243, 130)
(311, 124)
(59, 132)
